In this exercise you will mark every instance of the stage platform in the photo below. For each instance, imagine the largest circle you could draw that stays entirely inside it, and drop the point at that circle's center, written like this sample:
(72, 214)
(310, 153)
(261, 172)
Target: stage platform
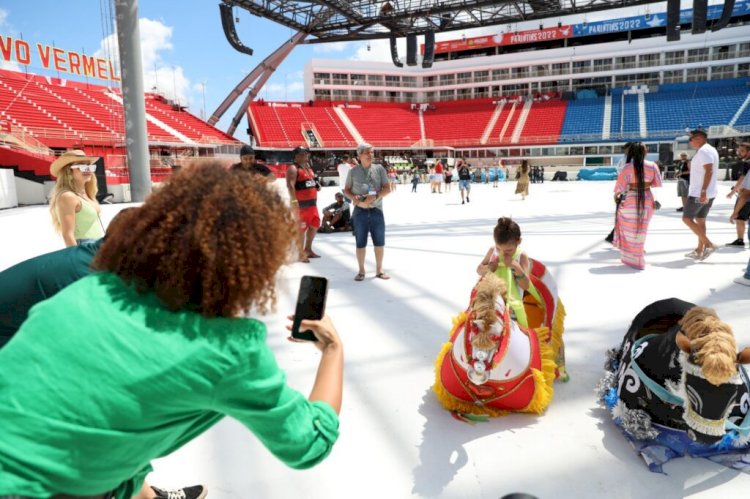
(396, 441)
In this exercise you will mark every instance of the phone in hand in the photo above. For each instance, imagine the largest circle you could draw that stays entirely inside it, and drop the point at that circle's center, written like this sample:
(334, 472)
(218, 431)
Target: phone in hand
(311, 304)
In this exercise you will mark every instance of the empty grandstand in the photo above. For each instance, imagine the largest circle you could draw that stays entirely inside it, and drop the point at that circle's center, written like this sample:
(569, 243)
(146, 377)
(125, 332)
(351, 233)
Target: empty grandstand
(42, 116)
(565, 95)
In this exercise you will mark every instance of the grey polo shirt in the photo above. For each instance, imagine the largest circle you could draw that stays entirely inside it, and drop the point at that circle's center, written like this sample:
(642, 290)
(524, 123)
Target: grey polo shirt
(360, 180)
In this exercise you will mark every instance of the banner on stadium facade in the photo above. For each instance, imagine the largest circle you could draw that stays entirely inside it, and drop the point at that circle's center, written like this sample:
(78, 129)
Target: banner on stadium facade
(66, 61)
(656, 20)
(659, 19)
(502, 39)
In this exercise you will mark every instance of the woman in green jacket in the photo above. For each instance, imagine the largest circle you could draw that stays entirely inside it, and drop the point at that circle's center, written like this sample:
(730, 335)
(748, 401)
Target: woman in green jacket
(132, 362)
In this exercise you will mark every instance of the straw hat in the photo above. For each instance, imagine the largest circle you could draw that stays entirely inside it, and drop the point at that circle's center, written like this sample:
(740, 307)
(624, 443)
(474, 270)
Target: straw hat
(68, 158)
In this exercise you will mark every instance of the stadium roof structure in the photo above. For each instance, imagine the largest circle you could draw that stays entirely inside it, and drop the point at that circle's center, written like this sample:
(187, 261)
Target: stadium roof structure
(341, 20)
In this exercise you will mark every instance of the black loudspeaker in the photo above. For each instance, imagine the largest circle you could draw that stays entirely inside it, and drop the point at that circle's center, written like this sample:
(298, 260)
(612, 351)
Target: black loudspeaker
(411, 49)
(700, 8)
(673, 20)
(394, 53)
(227, 23)
(429, 49)
(726, 13)
(101, 179)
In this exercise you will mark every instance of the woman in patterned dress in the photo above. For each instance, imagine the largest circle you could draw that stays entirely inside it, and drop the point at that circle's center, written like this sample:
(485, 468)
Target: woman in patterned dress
(634, 184)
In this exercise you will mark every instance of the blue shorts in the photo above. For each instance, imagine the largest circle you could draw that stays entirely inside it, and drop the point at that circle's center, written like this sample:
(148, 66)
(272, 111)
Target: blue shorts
(369, 221)
(464, 184)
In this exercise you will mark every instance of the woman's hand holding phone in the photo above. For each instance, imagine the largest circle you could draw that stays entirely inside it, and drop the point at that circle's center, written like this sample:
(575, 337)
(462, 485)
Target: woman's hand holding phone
(323, 329)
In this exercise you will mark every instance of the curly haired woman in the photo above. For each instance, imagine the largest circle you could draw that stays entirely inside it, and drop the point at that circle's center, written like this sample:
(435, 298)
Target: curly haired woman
(73, 205)
(130, 363)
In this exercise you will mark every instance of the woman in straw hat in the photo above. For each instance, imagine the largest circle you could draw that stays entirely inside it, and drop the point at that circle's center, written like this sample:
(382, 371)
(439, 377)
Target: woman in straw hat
(73, 205)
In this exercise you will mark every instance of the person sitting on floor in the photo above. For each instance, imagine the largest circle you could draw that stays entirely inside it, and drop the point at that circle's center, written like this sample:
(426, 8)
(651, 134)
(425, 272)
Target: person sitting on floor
(336, 216)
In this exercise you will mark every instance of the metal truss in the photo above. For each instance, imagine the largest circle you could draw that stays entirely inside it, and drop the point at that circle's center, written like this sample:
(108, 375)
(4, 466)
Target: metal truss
(371, 19)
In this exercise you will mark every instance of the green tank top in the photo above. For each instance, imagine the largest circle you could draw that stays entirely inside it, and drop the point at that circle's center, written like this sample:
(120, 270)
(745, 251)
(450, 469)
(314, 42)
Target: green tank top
(515, 293)
(88, 225)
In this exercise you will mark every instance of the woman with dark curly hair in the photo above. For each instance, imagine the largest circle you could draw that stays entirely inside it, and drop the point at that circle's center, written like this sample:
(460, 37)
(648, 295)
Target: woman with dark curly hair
(152, 350)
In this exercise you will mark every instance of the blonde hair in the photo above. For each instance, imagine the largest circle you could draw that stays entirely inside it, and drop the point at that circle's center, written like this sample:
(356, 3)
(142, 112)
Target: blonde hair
(712, 343)
(483, 306)
(65, 183)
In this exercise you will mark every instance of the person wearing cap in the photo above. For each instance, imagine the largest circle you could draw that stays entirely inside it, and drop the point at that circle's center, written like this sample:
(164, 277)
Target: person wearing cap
(336, 217)
(247, 163)
(73, 205)
(303, 192)
(366, 185)
(704, 168)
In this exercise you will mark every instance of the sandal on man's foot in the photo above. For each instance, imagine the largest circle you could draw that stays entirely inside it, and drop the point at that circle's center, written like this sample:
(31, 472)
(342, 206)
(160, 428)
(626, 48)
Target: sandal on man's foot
(382, 275)
(360, 277)
(310, 254)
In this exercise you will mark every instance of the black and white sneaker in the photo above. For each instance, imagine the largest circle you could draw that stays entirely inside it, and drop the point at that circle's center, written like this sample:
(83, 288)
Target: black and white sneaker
(192, 492)
(736, 242)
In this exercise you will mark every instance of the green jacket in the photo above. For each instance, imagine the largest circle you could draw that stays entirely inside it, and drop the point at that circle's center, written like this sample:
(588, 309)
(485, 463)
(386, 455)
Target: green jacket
(100, 380)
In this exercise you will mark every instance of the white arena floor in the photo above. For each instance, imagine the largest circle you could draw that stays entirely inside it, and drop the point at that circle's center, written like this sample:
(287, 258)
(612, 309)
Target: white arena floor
(396, 441)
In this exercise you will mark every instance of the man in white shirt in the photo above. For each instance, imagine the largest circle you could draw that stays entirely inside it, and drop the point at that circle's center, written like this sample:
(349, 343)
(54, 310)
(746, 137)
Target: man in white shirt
(704, 168)
(744, 197)
(343, 169)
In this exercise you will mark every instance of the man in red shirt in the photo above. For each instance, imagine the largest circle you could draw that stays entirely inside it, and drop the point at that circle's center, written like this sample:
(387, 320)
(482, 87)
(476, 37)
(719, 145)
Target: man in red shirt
(303, 193)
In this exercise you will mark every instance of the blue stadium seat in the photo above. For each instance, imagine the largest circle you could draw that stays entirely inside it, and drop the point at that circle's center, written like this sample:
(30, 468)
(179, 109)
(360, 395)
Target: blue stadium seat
(584, 117)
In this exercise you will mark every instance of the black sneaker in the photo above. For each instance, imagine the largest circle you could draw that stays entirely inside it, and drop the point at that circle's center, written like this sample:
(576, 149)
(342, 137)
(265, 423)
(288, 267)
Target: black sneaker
(463, 202)
(468, 200)
(192, 492)
(736, 242)
(679, 209)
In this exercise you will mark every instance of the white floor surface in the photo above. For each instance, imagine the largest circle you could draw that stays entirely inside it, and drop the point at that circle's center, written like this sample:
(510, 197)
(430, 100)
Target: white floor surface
(396, 441)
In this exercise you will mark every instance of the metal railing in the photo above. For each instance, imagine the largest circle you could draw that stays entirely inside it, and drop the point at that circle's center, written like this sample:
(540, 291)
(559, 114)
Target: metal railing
(526, 141)
(35, 136)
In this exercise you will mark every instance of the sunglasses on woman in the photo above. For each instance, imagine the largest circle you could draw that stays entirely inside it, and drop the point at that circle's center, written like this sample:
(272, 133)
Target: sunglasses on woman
(85, 168)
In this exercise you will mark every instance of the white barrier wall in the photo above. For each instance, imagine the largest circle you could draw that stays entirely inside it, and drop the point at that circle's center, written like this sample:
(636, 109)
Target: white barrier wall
(8, 195)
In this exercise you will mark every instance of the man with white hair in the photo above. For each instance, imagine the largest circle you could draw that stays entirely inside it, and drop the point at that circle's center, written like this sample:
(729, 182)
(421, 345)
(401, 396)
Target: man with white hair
(366, 185)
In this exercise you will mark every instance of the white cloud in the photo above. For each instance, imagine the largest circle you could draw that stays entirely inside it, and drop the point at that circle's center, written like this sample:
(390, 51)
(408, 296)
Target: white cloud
(168, 79)
(379, 50)
(331, 48)
(10, 65)
(292, 91)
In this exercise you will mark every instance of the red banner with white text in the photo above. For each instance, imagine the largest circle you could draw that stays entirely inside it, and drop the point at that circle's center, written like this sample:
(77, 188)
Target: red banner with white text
(503, 39)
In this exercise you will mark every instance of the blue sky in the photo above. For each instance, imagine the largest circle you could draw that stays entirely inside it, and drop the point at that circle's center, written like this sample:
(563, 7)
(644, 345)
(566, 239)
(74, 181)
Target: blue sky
(184, 48)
